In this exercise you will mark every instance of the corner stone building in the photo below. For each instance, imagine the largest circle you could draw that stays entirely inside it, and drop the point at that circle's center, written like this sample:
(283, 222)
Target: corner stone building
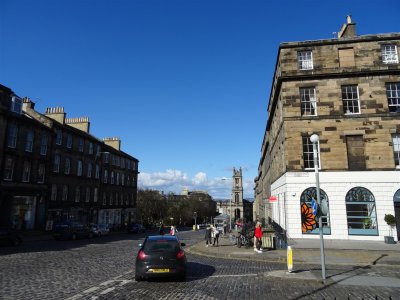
(347, 91)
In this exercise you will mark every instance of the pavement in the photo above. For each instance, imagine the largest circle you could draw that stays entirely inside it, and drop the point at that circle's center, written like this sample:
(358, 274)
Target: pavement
(346, 262)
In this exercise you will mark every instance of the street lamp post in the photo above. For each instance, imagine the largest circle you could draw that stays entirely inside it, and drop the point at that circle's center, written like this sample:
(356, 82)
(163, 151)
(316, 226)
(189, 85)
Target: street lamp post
(314, 140)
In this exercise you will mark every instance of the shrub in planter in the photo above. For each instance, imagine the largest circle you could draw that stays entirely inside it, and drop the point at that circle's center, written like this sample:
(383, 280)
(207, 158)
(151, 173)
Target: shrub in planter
(391, 221)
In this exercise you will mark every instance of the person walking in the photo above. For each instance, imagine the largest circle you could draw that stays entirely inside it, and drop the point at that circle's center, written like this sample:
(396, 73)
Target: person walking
(161, 229)
(173, 230)
(257, 237)
(215, 235)
(207, 236)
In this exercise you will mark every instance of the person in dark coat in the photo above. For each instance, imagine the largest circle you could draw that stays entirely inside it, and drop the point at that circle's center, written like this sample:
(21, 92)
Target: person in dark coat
(207, 236)
(161, 230)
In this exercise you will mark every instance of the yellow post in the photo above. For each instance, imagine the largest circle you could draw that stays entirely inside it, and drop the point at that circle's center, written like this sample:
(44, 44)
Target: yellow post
(289, 259)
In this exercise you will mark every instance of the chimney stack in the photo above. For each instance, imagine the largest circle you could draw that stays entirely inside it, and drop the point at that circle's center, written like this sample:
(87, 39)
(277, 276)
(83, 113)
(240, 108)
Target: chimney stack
(82, 124)
(348, 30)
(114, 142)
(56, 113)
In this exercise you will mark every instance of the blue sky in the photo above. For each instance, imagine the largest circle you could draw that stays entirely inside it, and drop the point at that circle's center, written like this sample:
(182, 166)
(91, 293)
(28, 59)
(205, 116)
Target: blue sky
(184, 83)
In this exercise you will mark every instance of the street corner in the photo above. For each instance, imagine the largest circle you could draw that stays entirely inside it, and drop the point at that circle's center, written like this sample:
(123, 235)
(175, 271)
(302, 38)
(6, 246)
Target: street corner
(295, 275)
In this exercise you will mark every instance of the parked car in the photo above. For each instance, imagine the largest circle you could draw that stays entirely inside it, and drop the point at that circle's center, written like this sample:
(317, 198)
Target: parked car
(100, 229)
(136, 228)
(161, 256)
(9, 236)
(72, 230)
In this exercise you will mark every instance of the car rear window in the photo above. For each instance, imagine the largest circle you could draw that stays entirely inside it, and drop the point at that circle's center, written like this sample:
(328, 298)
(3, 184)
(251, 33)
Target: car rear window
(161, 245)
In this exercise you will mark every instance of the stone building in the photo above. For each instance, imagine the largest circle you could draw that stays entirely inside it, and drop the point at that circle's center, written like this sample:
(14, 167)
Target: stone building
(24, 164)
(85, 179)
(347, 91)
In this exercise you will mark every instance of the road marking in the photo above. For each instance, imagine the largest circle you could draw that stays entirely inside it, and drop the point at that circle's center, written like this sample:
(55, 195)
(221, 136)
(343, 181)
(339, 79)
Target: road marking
(107, 282)
(233, 275)
(123, 282)
(78, 296)
(92, 289)
(107, 291)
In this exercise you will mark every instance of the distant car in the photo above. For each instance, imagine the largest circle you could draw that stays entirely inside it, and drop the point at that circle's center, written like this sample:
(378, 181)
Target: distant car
(9, 236)
(161, 256)
(100, 229)
(72, 230)
(137, 228)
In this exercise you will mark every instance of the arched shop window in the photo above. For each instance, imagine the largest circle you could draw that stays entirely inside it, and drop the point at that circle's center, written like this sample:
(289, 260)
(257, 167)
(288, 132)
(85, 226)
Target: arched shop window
(396, 197)
(310, 223)
(361, 212)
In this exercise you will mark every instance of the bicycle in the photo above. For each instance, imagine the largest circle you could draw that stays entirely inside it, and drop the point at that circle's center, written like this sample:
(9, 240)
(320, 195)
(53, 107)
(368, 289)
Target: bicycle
(232, 239)
(243, 240)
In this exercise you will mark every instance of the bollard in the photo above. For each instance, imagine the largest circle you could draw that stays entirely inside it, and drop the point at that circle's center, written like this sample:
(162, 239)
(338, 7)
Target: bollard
(289, 259)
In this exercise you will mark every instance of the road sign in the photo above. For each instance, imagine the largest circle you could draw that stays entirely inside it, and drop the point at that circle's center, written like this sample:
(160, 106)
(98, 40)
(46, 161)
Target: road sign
(314, 206)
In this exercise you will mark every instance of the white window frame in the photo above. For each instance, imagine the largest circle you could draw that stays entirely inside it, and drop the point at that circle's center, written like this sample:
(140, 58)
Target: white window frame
(89, 170)
(81, 144)
(16, 105)
(308, 156)
(349, 90)
(59, 137)
(78, 194)
(393, 96)
(112, 177)
(65, 193)
(56, 163)
(105, 176)
(305, 60)
(41, 173)
(29, 140)
(308, 101)
(53, 196)
(390, 54)
(90, 150)
(95, 194)
(396, 149)
(97, 174)
(12, 135)
(67, 166)
(8, 169)
(87, 194)
(69, 141)
(26, 171)
(43, 144)
(79, 168)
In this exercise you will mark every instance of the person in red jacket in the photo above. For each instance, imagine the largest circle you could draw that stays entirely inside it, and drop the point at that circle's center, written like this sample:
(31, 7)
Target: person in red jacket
(258, 236)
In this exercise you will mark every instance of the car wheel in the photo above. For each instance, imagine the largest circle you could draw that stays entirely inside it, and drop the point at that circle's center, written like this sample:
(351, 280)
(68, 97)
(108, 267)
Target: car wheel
(16, 242)
(138, 277)
(182, 277)
(73, 236)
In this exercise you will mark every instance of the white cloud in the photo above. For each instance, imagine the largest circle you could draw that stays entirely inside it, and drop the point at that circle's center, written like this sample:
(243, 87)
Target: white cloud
(175, 181)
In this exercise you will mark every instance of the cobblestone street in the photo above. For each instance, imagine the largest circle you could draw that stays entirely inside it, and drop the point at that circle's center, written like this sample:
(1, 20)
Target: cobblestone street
(103, 269)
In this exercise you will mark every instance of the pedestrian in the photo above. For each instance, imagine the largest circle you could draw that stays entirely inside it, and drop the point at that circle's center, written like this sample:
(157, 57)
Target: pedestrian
(207, 236)
(215, 235)
(173, 230)
(225, 228)
(257, 237)
(161, 229)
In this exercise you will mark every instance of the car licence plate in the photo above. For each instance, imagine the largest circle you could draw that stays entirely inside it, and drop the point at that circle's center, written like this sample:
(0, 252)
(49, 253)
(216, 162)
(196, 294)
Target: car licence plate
(159, 270)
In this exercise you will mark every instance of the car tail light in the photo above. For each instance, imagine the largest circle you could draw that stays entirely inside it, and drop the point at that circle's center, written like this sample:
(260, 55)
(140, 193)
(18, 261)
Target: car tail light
(142, 255)
(180, 255)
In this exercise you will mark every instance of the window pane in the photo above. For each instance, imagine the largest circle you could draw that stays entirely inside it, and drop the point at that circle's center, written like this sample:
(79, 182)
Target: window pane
(310, 223)
(361, 212)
